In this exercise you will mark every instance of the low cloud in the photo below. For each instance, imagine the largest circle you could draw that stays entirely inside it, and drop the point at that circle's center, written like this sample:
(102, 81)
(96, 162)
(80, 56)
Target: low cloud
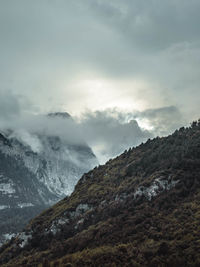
(163, 121)
(28, 139)
(110, 132)
(107, 132)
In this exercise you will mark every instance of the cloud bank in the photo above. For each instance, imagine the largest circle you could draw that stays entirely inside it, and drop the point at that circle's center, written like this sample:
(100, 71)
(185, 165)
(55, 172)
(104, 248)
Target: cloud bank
(134, 64)
(100, 54)
(107, 132)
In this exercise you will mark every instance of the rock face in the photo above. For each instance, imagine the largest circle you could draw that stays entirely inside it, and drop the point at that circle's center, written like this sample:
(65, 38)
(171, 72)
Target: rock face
(139, 209)
(31, 181)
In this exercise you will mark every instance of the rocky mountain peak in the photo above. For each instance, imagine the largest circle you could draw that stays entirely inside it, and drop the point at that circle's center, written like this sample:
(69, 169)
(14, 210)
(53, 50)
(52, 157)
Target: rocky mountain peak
(33, 179)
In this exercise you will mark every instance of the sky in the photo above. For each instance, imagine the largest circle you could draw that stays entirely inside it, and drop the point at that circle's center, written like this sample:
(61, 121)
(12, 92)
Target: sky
(126, 70)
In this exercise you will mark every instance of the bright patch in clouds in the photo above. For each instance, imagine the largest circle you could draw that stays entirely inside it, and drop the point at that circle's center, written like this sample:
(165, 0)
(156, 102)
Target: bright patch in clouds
(101, 93)
(139, 57)
(145, 124)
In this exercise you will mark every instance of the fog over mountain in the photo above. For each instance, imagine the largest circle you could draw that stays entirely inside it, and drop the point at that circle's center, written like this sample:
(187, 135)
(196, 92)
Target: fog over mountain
(40, 163)
(109, 89)
(109, 132)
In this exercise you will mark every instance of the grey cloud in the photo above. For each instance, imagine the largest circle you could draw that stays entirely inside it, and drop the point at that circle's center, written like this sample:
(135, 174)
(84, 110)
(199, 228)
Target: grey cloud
(160, 43)
(66, 129)
(107, 132)
(28, 139)
(153, 25)
(47, 46)
(9, 105)
(164, 120)
(25, 125)
(110, 132)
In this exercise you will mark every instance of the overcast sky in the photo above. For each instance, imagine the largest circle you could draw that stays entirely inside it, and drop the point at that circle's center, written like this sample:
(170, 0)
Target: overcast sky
(140, 58)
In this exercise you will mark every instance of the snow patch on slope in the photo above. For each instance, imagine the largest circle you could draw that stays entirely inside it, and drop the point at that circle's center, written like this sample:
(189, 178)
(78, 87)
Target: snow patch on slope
(24, 237)
(55, 226)
(2, 207)
(155, 188)
(6, 237)
(25, 205)
(7, 188)
(80, 209)
(72, 215)
(158, 186)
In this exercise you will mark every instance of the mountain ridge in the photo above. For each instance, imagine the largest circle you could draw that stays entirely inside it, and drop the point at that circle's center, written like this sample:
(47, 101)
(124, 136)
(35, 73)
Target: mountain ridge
(140, 209)
(31, 180)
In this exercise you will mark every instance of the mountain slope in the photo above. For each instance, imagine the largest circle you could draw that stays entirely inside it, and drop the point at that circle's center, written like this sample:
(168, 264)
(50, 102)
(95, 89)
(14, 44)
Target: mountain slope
(139, 209)
(30, 180)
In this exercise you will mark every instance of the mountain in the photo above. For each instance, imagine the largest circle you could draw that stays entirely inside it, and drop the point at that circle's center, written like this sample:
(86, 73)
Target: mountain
(32, 180)
(140, 209)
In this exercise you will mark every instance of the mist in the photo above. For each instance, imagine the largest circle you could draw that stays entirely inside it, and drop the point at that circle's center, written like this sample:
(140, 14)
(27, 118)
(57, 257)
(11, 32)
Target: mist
(108, 132)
